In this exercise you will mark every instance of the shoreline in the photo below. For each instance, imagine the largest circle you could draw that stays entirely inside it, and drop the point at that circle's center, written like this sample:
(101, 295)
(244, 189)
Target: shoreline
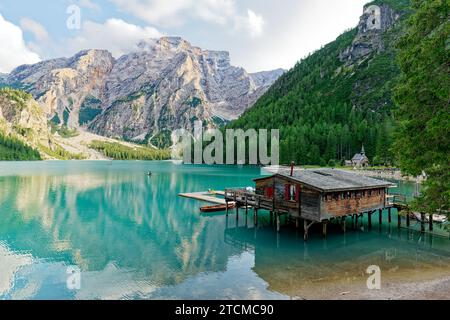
(424, 285)
(394, 174)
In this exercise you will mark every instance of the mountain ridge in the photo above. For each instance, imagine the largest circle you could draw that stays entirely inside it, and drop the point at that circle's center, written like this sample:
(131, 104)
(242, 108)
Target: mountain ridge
(165, 85)
(339, 97)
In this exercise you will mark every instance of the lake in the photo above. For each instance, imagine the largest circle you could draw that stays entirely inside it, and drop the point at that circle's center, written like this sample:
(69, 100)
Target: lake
(132, 237)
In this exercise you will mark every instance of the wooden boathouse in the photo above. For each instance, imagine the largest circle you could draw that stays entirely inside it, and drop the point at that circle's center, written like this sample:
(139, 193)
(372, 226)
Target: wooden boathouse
(314, 196)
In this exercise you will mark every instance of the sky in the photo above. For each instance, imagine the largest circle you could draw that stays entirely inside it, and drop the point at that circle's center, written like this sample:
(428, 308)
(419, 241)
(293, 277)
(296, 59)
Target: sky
(259, 34)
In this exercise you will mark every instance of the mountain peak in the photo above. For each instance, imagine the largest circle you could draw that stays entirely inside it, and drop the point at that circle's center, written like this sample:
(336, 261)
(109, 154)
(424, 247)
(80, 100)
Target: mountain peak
(164, 44)
(164, 85)
(375, 20)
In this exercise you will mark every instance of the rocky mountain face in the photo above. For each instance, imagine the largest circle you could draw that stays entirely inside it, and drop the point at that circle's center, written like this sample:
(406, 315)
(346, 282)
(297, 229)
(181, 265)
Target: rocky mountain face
(167, 84)
(62, 85)
(22, 117)
(375, 20)
(339, 97)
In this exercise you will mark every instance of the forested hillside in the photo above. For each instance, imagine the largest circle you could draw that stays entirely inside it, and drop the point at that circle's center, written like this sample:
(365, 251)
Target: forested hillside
(337, 99)
(422, 137)
(12, 148)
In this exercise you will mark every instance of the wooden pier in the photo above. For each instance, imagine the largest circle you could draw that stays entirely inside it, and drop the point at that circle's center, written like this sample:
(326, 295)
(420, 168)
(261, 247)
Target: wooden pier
(205, 196)
(319, 196)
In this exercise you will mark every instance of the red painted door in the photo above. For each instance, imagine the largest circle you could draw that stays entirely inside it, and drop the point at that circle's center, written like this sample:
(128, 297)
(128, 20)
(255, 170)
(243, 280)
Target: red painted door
(269, 192)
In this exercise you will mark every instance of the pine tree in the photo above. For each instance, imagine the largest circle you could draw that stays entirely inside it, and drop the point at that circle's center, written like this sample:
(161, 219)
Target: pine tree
(423, 136)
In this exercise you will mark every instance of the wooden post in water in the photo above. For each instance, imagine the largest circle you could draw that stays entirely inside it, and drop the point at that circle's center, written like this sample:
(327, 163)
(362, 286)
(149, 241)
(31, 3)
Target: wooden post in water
(324, 228)
(399, 220)
(357, 221)
(246, 205)
(389, 215)
(422, 222)
(297, 223)
(278, 221)
(305, 227)
(380, 217)
(226, 202)
(344, 223)
(353, 221)
(255, 217)
(430, 221)
(369, 219)
(408, 223)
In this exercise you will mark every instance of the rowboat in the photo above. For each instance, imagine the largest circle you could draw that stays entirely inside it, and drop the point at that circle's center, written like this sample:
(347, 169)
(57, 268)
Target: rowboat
(438, 218)
(217, 208)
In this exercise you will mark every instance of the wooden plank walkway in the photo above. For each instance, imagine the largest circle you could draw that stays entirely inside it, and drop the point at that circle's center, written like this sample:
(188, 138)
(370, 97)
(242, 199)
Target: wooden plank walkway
(205, 196)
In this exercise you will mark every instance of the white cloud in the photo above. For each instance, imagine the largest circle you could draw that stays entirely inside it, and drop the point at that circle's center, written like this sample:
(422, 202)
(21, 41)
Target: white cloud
(37, 29)
(42, 40)
(89, 5)
(115, 35)
(176, 12)
(160, 12)
(255, 24)
(13, 50)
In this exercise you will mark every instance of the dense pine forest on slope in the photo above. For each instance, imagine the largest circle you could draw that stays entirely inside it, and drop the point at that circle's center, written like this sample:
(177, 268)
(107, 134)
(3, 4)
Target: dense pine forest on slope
(422, 137)
(120, 152)
(13, 149)
(327, 108)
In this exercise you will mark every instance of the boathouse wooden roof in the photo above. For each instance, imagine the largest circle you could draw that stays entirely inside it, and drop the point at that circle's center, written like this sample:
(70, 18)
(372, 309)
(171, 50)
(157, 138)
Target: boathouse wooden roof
(330, 180)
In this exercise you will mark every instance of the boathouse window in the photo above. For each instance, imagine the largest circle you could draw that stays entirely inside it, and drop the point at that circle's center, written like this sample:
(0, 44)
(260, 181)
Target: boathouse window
(291, 192)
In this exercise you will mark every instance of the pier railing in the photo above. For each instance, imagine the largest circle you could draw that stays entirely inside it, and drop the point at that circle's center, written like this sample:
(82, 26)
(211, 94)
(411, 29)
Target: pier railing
(396, 199)
(247, 198)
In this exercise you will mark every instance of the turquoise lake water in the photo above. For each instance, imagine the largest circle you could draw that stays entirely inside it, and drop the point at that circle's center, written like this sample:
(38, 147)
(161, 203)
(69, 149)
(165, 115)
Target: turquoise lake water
(132, 237)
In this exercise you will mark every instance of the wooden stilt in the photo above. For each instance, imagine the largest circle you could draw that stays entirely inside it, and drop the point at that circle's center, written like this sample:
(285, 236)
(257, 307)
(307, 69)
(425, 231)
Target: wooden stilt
(297, 223)
(357, 220)
(278, 221)
(344, 223)
(422, 222)
(430, 222)
(255, 217)
(369, 219)
(246, 205)
(305, 227)
(271, 217)
(237, 212)
(399, 220)
(380, 217)
(226, 202)
(389, 215)
(408, 222)
(353, 221)
(324, 228)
